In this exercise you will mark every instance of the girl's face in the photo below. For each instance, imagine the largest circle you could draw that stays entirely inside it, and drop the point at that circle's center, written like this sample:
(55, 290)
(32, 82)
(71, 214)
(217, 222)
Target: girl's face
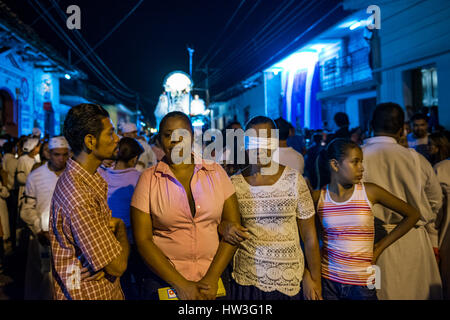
(350, 169)
(264, 156)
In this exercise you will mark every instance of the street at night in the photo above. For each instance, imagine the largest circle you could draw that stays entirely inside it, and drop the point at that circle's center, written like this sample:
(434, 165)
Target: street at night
(238, 151)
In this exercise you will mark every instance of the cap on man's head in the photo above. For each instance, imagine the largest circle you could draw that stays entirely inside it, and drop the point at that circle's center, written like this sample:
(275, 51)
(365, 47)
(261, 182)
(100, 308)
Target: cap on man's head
(30, 144)
(128, 127)
(36, 132)
(58, 142)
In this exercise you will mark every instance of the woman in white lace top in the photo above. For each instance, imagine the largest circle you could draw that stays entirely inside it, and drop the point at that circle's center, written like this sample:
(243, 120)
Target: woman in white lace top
(275, 207)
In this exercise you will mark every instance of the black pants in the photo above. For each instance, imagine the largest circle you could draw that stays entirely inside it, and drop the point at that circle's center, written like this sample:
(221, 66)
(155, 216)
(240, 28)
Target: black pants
(11, 202)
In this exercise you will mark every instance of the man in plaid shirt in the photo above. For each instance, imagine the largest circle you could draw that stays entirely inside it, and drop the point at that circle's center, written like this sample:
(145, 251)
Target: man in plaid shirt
(89, 248)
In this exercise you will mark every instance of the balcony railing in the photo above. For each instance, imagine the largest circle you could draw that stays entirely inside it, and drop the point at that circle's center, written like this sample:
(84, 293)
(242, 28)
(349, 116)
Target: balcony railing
(345, 71)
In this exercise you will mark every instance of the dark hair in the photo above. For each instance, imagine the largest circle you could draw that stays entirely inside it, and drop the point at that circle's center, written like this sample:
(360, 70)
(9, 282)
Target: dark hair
(231, 124)
(128, 149)
(284, 127)
(8, 147)
(419, 116)
(174, 114)
(341, 119)
(388, 118)
(260, 120)
(338, 148)
(442, 143)
(81, 120)
(41, 152)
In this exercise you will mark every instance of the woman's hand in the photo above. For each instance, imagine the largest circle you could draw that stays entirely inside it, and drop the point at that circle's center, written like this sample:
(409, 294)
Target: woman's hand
(209, 288)
(312, 290)
(233, 232)
(190, 290)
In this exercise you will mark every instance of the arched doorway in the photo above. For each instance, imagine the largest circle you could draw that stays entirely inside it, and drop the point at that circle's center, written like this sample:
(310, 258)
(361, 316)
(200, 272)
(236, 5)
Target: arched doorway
(7, 112)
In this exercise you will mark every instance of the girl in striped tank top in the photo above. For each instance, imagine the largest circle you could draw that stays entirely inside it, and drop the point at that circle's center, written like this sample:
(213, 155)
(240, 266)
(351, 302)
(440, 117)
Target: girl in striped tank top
(344, 208)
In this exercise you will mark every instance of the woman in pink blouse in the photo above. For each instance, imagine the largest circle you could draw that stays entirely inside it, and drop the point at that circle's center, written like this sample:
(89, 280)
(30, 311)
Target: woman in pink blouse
(175, 212)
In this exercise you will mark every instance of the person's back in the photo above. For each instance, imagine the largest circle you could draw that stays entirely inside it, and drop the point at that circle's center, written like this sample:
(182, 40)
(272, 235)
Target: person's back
(121, 184)
(407, 175)
(290, 158)
(285, 154)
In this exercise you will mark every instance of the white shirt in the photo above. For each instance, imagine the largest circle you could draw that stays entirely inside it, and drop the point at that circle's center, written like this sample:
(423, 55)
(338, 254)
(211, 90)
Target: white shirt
(39, 190)
(148, 157)
(443, 174)
(24, 166)
(407, 175)
(9, 164)
(290, 158)
(272, 259)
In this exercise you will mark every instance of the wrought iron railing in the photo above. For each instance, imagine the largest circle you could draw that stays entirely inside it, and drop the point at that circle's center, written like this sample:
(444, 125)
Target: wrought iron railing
(344, 71)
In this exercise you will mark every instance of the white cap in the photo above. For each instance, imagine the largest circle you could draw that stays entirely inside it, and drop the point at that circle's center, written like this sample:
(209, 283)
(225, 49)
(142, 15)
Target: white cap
(2, 142)
(58, 142)
(30, 144)
(128, 127)
(36, 132)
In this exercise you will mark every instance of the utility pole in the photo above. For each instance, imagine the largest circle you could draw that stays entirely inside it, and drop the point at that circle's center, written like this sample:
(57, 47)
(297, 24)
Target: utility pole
(191, 53)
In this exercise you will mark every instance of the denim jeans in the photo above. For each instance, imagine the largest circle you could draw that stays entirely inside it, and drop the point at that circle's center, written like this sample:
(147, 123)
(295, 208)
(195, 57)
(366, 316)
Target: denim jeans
(332, 290)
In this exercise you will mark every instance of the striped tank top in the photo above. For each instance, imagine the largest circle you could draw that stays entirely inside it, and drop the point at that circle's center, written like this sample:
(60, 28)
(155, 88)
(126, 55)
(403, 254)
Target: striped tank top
(348, 237)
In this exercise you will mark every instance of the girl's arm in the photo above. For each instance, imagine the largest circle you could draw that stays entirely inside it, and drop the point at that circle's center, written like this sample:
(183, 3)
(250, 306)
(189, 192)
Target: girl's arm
(154, 258)
(411, 215)
(225, 251)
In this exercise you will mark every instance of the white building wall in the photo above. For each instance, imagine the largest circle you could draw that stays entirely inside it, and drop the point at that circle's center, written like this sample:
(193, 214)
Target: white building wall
(413, 34)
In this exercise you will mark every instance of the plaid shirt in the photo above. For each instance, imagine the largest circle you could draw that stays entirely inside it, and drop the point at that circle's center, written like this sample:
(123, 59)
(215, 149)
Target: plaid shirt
(80, 236)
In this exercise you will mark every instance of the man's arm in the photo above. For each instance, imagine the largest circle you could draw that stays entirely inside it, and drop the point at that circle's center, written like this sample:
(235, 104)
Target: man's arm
(119, 265)
(28, 212)
(98, 243)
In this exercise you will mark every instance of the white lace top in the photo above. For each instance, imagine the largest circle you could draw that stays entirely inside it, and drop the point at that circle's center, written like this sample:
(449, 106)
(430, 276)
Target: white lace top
(272, 259)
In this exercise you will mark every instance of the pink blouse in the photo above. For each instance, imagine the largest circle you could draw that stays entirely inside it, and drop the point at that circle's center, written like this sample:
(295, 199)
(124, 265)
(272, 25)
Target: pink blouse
(190, 243)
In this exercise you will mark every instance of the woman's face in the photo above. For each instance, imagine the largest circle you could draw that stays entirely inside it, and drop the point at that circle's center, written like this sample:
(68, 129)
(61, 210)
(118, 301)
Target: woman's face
(171, 126)
(263, 130)
(350, 169)
(432, 147)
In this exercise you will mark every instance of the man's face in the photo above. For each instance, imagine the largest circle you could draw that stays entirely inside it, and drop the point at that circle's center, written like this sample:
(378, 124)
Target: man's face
(131, 134)
(420, 128)
(58, 158)
(107, 146)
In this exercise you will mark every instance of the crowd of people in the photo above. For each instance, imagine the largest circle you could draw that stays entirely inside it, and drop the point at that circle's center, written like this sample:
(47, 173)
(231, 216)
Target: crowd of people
(344, 216)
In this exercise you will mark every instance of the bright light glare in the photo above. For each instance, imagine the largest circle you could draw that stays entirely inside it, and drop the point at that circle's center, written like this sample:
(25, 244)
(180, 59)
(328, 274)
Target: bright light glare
(177, 82)
(355, 25)
(298, 60)
(67, 76)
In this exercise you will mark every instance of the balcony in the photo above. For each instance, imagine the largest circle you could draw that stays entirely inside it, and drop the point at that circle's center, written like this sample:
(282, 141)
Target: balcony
(347, 71)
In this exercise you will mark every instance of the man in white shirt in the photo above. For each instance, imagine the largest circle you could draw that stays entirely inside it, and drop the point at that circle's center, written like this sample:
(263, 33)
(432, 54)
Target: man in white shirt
(409, 270)
(31, 147)
(35, 212)
(287, 156)
(148, 158)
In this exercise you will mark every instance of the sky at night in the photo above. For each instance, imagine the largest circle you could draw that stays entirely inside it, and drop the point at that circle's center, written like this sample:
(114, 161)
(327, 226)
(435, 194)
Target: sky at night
(152, 41)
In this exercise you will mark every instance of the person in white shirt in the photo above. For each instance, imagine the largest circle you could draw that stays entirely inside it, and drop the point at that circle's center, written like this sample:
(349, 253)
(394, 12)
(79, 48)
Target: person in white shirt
(148, 158)
(35, 212)
(443, 222)
(31, 147)
(409, 270)
(287, 156)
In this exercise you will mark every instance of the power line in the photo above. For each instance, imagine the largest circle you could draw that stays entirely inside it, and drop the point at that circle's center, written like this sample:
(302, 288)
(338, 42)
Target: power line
(230, 35)
(63, 36)
(86, 46)
(260, 33)
(223, 31)
(242, 57)
(111, 32)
